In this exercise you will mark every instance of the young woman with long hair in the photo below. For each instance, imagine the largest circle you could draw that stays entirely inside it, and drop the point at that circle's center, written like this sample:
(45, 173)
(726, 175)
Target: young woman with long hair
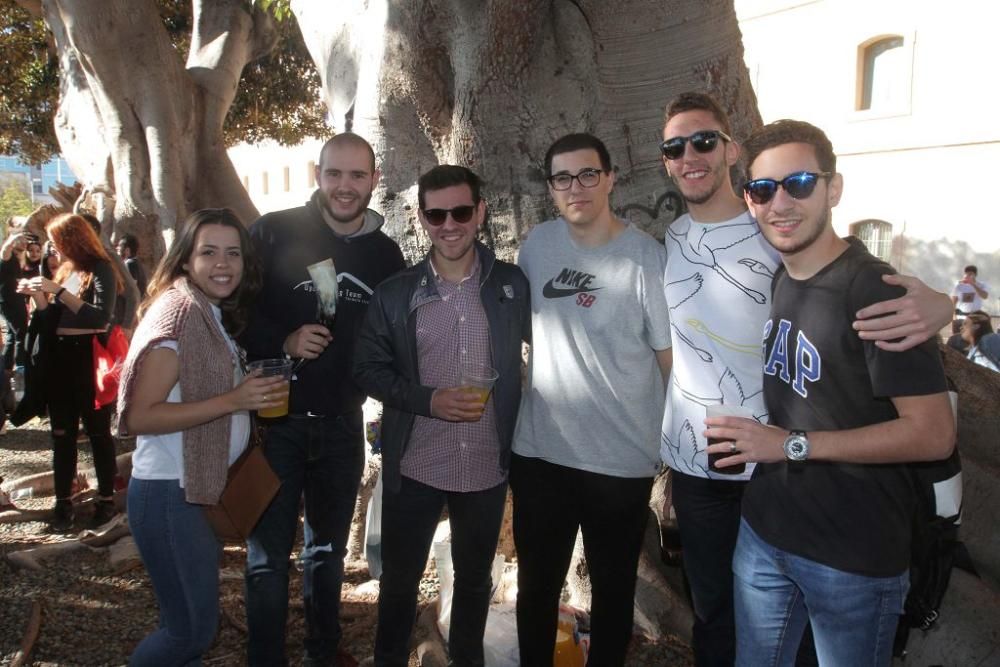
(184, 394)
(20, 255)
(78, 302)
(50, 260)
(977, 332)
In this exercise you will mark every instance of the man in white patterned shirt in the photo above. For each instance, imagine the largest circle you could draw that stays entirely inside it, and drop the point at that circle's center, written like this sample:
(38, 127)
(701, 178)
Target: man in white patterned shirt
(441, 445)
(718, 289)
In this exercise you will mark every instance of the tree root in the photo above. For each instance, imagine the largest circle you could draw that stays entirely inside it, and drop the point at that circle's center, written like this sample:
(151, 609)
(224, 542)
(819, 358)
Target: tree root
(31, 559)
(21, 516)
(30, 635)
(231, 619)
(107, 534)
(42, 483)
(430, 643)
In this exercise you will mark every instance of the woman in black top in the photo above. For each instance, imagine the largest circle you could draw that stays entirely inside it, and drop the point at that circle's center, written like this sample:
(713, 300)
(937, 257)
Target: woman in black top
(19, 258)
(78, 304)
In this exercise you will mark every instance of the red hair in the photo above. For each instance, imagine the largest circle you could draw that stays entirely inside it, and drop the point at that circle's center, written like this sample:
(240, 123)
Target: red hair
(79, 246)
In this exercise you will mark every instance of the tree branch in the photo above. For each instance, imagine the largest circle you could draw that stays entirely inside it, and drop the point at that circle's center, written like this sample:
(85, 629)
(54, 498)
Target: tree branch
(224, 38)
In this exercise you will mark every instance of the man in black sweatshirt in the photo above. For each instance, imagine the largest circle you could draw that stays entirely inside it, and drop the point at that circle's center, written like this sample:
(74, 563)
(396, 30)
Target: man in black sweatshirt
(317, 450)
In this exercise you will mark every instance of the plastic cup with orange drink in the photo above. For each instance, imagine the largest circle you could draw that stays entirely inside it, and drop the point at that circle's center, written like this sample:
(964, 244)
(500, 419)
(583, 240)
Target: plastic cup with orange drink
(274, 368)
(478, 379)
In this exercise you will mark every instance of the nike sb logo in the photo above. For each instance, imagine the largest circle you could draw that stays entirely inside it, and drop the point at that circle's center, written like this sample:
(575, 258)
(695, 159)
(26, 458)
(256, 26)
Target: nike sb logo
(569, 282)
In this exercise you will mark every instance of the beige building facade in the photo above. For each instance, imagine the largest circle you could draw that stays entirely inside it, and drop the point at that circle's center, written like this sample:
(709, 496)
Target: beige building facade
(906, 91)
(277, 177)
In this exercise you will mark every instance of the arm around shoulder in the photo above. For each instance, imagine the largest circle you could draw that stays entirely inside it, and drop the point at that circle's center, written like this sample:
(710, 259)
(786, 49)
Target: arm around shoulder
(902, 323)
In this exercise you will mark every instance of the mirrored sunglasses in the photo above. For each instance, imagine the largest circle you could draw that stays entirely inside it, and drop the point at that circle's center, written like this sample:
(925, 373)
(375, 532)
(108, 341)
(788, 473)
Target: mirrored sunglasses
(798, 186)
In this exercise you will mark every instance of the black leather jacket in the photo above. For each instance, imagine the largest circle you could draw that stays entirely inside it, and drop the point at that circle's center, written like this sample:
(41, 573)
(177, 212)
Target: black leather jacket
(385, 354)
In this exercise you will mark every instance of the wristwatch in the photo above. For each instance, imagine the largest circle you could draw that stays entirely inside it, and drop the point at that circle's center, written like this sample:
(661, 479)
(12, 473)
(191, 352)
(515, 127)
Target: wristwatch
(796, 446)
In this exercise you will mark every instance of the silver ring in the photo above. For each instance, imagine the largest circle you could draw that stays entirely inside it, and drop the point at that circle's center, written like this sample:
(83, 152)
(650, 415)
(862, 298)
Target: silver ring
(732, 448)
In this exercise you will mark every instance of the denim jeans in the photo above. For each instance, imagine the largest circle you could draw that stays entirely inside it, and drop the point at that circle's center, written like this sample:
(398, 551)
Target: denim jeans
(181, 554)
(551, 502)
(708, 515)
(853, 617)
(321, 459)
(409, 519)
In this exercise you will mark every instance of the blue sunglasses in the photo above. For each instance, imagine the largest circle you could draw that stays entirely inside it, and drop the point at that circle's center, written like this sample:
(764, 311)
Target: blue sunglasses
(798, 186)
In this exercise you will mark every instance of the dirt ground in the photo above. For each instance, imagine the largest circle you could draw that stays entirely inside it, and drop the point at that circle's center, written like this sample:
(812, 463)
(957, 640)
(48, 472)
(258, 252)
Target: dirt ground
(94, 613)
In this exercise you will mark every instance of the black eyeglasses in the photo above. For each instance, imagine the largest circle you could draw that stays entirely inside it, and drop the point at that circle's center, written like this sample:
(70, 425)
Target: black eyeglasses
(435, 217)
(798, 186)
(588, 178)
(703, 142)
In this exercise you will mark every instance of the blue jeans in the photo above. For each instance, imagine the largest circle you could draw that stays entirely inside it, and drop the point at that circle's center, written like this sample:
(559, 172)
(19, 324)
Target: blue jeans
(181, 554)
(853, 617)
(409, 518)
(321, 459)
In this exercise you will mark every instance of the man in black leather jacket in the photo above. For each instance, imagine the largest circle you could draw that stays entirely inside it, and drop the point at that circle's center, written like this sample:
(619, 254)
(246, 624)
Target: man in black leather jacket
(460, 307)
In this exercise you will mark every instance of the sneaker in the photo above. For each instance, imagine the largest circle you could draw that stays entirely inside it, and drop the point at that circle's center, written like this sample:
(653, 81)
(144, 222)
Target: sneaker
(104, 511)
(62, 516)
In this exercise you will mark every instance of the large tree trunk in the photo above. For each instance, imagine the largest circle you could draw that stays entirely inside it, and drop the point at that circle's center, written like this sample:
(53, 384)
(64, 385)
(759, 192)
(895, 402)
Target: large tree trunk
(491, 84)
(138, 125)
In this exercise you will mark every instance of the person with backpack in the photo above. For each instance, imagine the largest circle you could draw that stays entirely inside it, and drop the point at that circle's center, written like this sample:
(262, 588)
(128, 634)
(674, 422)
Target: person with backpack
(826, 522)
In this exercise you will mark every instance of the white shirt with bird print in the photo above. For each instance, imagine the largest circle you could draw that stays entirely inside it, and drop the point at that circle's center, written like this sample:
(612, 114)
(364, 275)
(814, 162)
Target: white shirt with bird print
(718, 289)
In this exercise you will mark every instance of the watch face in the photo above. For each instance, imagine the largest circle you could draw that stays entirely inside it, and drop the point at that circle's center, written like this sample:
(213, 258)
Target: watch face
(796, 447)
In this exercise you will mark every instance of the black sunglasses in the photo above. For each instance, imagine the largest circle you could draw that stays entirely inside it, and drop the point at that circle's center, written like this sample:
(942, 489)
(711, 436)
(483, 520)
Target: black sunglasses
(435, 217)
(798, 186)
(703, 142)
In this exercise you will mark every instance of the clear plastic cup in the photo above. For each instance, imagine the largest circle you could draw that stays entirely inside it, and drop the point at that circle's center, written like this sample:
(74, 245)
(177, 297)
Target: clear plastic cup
(477, 378)
(272, 368)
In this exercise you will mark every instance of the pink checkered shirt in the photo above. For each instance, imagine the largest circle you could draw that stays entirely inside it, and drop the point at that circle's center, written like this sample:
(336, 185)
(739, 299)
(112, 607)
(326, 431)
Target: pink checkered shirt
(453, 456)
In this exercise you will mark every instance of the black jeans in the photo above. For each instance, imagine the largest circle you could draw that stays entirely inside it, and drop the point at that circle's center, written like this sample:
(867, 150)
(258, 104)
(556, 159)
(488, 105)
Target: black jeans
(708, 515)
(409, 518)
(70, 393)
(15, 317)
(550, 503)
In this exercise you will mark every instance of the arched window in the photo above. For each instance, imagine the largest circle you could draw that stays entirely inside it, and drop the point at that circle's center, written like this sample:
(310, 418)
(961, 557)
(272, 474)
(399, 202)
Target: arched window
(876, 235)
(884, 74)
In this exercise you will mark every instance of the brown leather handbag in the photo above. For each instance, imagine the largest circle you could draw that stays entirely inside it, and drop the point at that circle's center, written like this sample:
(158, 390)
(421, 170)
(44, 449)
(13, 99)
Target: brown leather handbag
(250, 487)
